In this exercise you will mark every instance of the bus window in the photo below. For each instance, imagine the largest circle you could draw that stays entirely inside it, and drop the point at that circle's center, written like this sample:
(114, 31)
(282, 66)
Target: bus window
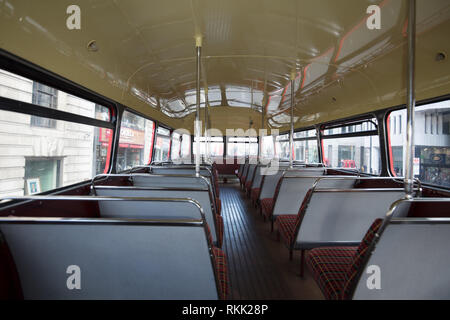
(268, 151)
(175, 150)
(162, 145)
(354, 146)
(242, 146)
(36, 159)
(282, 147)
(186, 146)
(432, 143)
(305, 146)
(40, 153)
(135, 142)
(215, 146)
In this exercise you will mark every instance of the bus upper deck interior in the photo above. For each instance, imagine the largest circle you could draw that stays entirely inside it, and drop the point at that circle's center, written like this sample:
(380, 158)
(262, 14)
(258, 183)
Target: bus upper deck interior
(212, 149)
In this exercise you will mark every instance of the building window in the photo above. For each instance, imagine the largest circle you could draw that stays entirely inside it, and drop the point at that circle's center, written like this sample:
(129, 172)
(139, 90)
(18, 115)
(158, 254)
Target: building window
(431, 116)
(446, 123)
(395, 125)
(397, 161)
(46, 97)
(42, 174)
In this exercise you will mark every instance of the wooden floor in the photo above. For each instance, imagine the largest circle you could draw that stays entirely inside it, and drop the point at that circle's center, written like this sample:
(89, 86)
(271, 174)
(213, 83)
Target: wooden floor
(259, 266)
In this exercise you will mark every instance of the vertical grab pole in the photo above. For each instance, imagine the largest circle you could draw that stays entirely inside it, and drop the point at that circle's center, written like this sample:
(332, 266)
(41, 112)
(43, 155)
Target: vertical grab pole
(206, 125)
(261, 134)
(198, 48)
(291, 135)
(409, 172)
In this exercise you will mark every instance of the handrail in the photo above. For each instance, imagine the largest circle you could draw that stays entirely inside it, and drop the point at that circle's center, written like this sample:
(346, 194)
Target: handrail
(130, 176)
(177, 167)
(419, 184)
(356, 190)
(147, 188)
(419, 220)
(121, 221)
(98, 198)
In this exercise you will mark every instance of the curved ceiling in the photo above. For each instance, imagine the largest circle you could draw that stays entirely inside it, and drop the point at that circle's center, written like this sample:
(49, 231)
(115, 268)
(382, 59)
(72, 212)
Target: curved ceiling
(146, 54)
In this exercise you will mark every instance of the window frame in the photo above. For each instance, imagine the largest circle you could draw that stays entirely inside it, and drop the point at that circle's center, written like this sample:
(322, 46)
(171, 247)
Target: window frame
(359, 120)
(38, 121)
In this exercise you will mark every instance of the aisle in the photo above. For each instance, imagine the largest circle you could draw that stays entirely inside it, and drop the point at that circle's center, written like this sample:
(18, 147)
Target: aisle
(259, 267)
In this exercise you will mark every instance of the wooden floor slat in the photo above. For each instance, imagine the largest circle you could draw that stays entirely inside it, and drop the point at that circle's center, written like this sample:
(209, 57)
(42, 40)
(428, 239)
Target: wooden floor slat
(258, 265)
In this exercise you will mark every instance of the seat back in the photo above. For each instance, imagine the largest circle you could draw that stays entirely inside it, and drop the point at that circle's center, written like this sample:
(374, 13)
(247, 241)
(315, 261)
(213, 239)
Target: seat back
(241, 168)
(250, 173)
(110, 259)
(256, 183)
(205, 171)
(245, 171)
(269, 184)
(294, 187)
(112, 209)
(272, 175)
(410, 257)
(342, 216)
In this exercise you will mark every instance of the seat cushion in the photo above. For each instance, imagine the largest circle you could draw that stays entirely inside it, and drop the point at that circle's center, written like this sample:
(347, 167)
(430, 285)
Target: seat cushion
(287, 224)
(329, 266)
(267, 206)
(359, 257)
(335, 268)
(220, 264)
(248, 184)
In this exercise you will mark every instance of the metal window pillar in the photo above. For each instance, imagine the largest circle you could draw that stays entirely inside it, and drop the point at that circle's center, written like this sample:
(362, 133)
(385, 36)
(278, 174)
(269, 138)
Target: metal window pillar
(207, 140)
(198, 48)
(291, 134)
(409, 172)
